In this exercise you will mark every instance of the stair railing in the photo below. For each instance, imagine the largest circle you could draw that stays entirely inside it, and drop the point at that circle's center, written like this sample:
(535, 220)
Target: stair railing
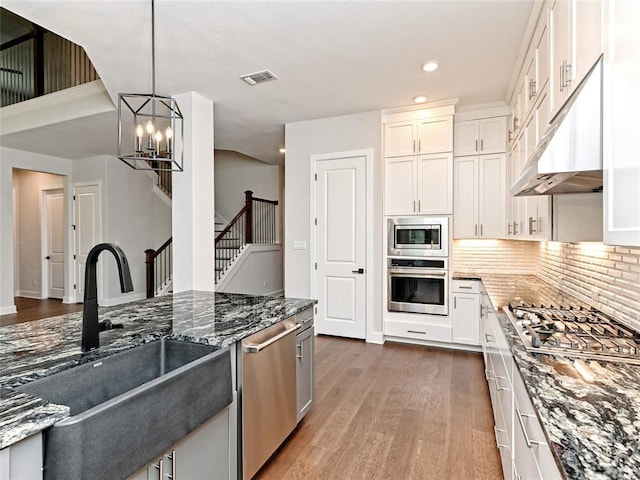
(159, 268)
(256, 222)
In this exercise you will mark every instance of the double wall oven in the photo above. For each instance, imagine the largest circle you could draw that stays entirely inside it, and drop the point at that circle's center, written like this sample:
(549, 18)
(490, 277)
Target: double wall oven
(417, 268)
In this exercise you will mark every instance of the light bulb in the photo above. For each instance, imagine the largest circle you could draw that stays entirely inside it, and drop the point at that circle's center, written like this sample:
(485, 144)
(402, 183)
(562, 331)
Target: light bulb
(139, 131)
(158, 137)
(169, 133)
(138, 145)
(149, 127)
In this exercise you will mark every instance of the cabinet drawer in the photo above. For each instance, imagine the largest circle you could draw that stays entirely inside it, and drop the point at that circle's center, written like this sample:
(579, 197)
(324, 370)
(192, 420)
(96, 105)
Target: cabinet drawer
(465, 286)
(422, 331)
(531, 449)
(305, 317)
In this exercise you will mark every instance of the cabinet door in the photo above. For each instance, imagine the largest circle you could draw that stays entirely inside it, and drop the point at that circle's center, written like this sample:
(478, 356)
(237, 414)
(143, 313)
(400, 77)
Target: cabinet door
(435, 135)
(530, 78)
(561, 58)
(492, 195)
(399, 186)
(400, 138)
(304, 372)
(530, 218)
(621, 149)
(519, 207)
(465, 138)
(435, 184)
(543, 218)
(587, 35)
(465, 205)
(204, 453)
(466, 318)
(541, 42)
(493, 135)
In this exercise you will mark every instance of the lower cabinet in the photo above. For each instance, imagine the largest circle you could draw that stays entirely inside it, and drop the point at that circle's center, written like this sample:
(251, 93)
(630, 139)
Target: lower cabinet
(204, 453)
(524, 451)
(466, 312)
(22, 460)
(304, 371)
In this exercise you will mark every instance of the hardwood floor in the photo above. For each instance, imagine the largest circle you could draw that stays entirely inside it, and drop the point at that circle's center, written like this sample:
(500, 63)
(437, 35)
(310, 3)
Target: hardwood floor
(32, 309)
(392, 411)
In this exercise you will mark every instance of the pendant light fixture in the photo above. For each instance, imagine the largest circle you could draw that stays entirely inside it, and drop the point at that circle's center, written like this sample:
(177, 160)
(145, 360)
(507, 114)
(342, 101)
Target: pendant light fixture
(150, 127)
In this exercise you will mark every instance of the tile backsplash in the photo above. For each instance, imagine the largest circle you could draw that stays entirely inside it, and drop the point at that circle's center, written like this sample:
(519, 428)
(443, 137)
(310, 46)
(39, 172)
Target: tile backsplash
(495, 256)
(607, 277)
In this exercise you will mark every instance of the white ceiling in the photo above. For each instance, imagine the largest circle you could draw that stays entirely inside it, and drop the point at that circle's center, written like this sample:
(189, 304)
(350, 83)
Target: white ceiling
(332, 58)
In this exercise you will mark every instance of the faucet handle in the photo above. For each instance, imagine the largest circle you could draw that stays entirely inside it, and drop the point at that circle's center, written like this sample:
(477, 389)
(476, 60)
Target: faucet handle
(108, 325)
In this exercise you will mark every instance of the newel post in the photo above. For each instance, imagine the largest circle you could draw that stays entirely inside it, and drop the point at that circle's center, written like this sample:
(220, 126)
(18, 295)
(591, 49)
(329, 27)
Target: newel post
(151, 265)
(248, 223)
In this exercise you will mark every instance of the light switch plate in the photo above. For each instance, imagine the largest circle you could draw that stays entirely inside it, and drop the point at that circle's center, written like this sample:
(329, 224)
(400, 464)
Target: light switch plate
(299, 245)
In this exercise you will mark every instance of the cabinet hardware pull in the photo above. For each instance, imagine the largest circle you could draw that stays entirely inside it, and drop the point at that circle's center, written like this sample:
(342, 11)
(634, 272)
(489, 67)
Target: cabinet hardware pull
(509, 228)
(476, 145)
(515, 228)
(415, 331)
(464, 287)
(160, 468)
(455, 304)
(481, 230)
(481, 311)
(419, 207)
(482, 144)
(300, 354)
(476, 230)
(496, 430)
(488, 337)
(498, 387)
(419, 145)
(414, 205)
(172, 456)
(562, 76)
(486, 374)
(533, 88)
(527, 440)
(531, 229)
(510, 136)
(414, 146)
(567, 74)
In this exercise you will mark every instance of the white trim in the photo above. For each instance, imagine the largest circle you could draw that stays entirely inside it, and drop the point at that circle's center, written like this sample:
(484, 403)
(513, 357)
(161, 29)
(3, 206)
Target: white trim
(16, 239)
(430, 343)
(8, 310)
(68, 299)
(134, 297)
(29, 294)
(431, 109)
(481, 113)
(370, 335)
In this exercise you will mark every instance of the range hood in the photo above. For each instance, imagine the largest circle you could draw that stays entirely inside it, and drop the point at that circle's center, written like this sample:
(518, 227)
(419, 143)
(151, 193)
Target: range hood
(569, 157)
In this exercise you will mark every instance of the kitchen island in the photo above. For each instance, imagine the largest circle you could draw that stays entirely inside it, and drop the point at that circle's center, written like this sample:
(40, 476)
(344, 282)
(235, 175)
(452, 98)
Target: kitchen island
(37, 349)
(592, 427)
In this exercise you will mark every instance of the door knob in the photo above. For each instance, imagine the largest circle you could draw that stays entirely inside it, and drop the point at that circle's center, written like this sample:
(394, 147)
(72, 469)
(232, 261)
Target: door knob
(360, 271)
(48, 257)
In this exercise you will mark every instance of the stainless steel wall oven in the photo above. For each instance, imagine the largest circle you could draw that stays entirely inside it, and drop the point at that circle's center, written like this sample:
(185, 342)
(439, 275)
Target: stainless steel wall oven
(418, 286)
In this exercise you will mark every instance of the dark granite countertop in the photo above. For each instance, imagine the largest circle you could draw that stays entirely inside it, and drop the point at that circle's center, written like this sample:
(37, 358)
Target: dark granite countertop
(593, 428)
(40, 348)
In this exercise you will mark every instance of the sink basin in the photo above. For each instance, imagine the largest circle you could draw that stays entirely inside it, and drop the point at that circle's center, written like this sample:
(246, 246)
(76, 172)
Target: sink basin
(130, 407)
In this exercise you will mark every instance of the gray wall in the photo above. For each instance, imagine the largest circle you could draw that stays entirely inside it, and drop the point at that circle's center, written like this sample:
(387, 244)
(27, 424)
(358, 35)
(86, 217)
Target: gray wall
(327, 135)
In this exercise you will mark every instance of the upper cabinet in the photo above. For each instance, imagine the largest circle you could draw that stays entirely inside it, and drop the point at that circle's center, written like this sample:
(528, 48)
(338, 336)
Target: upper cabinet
(576, 39)
(621, 102)
(484, 136)
(418, 166)
(422, 136)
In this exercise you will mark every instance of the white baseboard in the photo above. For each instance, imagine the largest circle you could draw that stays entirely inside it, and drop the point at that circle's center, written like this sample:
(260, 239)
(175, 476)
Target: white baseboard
(375, 337)
(8, 310)
(29, 294)
(110, 302)
(68, 299)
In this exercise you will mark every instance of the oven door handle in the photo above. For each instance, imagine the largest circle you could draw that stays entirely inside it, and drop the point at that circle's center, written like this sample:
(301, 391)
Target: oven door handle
(417, 272)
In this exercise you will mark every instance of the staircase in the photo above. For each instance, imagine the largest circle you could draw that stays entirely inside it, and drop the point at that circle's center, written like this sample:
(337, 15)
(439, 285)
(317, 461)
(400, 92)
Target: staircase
(255, 223)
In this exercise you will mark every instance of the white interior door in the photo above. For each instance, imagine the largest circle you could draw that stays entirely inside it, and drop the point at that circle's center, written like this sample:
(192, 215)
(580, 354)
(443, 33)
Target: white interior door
(54, 225)
(341, 246)
(86, 207)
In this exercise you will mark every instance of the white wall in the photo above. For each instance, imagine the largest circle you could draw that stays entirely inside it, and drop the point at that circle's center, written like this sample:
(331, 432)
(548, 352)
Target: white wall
(303, 139)
(235, 173)
(258, 271)
(29, 161)
(29, 185)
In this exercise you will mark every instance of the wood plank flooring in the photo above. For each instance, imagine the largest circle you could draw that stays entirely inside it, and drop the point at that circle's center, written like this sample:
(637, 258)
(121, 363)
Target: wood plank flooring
(392, 411)
(32, 309)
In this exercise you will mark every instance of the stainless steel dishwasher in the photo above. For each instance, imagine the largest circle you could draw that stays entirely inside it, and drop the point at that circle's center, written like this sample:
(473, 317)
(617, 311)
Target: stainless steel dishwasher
(269, 400)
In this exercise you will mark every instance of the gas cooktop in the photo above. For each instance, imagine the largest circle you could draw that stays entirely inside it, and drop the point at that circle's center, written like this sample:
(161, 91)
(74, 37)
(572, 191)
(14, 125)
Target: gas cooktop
(576, 331)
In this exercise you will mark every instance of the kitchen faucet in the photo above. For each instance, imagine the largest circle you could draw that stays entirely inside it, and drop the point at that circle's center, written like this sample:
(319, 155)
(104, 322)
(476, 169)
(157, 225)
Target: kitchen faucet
(90, 325)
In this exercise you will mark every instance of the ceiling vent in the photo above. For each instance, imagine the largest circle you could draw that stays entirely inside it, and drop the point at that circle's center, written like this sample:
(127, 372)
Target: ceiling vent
(259, 77)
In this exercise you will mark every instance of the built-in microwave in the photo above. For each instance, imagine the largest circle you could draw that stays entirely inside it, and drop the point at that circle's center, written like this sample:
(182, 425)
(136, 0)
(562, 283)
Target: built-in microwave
(418, 236)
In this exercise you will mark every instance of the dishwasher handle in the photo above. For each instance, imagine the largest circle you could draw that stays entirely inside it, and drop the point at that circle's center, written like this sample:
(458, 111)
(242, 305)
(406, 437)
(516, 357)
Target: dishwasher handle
(255, 348)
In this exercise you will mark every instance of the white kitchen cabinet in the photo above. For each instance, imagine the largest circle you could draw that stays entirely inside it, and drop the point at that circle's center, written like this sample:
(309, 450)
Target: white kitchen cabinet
(621, 149)
(23, 459)
(419, 185)
(466, 312)
(204, 453)
(487, 135)
(480, 196)
(422, 136)
(576, 34)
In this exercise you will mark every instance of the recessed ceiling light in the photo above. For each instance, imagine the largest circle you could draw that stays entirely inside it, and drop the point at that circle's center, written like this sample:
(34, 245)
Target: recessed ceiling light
(420, 99)
(430, 66)
(282, 150)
